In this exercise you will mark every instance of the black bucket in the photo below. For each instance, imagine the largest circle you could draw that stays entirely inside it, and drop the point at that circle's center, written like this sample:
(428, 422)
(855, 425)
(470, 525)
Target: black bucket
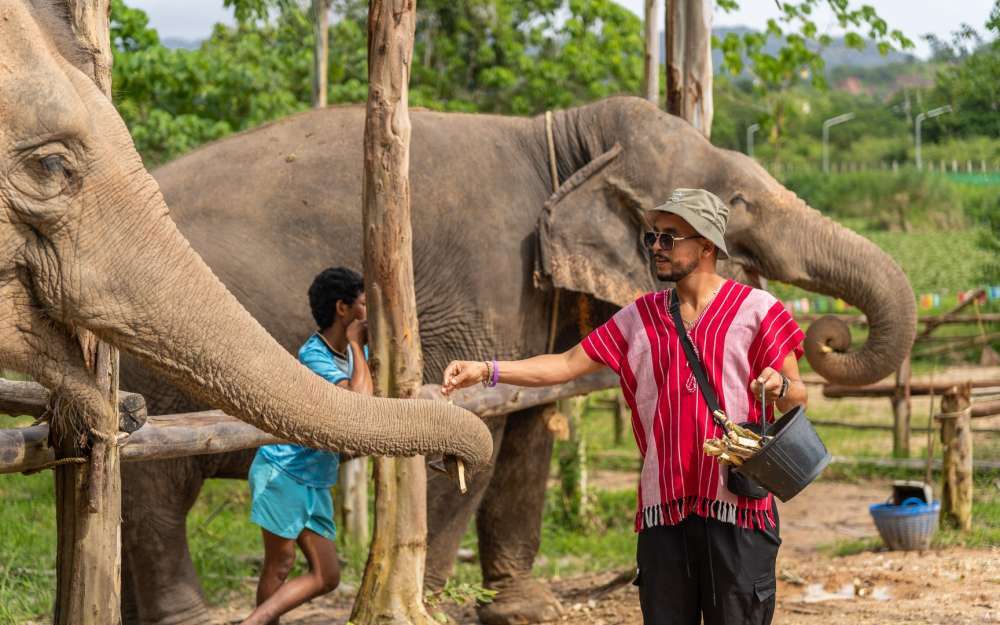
(791, 458)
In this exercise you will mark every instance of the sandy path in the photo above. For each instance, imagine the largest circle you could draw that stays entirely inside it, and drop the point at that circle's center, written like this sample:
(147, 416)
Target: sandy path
(953, 586)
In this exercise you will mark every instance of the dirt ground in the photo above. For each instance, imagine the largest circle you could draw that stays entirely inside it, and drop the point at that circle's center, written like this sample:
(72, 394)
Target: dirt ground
(953, 586)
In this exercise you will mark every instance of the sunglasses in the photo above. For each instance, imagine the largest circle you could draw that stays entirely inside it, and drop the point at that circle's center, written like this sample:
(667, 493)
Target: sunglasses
(649, 238)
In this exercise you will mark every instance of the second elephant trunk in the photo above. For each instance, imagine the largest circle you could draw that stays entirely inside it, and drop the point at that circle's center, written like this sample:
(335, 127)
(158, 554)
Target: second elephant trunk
(825, 257)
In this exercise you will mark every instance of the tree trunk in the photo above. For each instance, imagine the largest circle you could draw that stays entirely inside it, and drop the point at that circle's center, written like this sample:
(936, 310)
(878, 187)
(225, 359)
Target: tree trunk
(956, 445)
(88, 496)
(688, 36)
(651, 75)
(392, 588)
(321, 14)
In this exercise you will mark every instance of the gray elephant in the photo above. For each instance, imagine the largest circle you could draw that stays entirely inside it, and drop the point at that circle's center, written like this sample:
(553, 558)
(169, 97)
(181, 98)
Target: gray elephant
(87, 242)
(269, 208)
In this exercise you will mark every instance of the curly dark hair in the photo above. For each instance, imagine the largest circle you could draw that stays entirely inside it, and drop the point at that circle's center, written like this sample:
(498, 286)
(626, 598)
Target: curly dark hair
(336, 284)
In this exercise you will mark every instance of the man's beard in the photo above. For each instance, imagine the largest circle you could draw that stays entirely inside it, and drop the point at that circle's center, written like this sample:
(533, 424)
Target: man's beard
(677, 272)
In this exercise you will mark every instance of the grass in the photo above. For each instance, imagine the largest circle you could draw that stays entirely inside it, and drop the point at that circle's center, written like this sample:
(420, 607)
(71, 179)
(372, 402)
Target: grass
(27, 545)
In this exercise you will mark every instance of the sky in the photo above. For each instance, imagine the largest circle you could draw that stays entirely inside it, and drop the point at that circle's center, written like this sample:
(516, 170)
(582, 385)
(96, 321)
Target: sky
(193, 19)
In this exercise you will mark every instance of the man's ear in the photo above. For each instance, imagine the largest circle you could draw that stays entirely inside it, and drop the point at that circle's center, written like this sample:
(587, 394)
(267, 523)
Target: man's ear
(589, 235)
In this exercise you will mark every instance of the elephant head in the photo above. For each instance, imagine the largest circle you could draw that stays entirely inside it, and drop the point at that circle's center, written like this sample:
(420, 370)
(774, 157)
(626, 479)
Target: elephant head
(86, 241)
(624, 156)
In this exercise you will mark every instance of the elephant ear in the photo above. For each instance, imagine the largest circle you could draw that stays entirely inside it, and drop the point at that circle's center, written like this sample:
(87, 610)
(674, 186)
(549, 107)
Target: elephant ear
(589, 235)
(81, 31)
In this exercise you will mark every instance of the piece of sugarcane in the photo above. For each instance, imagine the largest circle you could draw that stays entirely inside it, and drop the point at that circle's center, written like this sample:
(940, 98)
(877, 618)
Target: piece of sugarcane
(736, 445)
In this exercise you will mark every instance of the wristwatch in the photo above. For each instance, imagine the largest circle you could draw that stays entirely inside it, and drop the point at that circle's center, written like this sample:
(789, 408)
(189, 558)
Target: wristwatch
(784, 387)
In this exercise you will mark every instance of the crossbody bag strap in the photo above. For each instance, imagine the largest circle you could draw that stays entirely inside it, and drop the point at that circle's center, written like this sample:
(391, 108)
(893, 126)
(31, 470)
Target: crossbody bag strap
(692, 357)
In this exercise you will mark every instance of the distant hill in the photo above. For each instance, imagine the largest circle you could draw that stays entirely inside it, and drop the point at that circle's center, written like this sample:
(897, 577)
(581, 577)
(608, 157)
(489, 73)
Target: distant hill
(177, 42)
(835, 55)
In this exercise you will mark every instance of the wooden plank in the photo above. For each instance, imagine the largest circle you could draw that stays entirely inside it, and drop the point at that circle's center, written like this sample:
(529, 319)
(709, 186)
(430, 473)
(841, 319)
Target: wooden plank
(163, 437)
(505, 398)
(966, 343)
(910, 463)
(22, 449)
(885, 427)
(23, 398)
(32, 399)
(882, 389)
(985, 409)
(930, 320)
(213, 431)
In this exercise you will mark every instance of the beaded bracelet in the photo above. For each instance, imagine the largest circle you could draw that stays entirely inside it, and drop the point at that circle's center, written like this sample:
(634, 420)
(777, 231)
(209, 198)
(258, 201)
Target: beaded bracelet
(495, 378)
(489, 375)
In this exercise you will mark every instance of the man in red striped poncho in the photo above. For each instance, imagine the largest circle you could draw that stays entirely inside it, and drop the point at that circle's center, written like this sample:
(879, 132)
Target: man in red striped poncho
(703, 551)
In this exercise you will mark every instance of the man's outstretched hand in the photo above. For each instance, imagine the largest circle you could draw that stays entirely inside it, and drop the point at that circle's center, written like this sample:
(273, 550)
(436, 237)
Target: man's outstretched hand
(462, 374)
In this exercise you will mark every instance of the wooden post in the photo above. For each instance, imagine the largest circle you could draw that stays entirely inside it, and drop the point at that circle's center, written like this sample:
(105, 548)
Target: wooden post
(392, 588)
(956, 444)
(621, 417)
(688, 36)
(901, 411)
(572, 459)
(651, 75)
(321, 15)
(352, 494)
(88, 496)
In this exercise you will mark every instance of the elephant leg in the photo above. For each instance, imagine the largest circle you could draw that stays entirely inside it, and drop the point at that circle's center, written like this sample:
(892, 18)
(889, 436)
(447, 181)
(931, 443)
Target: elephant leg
(160, 586)
(509, 524)
(449, 513)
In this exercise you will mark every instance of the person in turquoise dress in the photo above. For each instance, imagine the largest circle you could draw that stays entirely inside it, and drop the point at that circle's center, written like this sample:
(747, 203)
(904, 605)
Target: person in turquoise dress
(290, 484)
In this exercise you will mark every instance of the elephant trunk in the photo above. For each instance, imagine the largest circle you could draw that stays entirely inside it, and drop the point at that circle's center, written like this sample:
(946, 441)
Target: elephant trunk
(168, 308)
(843, 264)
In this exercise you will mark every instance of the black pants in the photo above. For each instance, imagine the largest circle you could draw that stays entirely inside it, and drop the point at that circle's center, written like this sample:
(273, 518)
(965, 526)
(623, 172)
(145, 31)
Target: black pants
(707, 567)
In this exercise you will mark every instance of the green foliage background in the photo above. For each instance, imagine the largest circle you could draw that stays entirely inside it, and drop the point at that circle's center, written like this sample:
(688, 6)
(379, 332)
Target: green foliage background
(523, 57)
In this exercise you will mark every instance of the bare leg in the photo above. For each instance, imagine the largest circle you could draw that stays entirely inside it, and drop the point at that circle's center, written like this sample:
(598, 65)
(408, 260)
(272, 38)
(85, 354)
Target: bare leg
(279, 557)
(323, 577)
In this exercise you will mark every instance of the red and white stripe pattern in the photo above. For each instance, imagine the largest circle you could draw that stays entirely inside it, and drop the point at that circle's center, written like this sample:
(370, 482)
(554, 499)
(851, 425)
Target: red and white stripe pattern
(742, 331)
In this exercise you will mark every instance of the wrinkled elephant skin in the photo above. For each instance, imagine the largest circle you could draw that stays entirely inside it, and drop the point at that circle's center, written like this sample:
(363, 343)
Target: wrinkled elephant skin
(269, 208)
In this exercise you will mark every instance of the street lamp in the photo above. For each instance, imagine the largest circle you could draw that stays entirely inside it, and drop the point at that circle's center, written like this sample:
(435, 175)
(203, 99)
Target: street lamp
(752, 128)
(833, 121)
(941, 110)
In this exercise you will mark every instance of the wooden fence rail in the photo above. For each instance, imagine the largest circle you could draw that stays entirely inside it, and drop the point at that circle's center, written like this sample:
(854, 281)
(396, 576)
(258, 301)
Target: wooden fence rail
(887, 389)
(213, 431)
(933, 320)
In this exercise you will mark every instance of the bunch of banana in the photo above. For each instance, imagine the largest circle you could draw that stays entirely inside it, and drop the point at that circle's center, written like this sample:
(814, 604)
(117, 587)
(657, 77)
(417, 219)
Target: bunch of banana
(738, 444)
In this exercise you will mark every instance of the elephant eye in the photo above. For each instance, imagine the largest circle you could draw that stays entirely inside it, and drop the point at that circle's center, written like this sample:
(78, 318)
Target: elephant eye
(740, 201)
(45, 174)
(55, 165)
